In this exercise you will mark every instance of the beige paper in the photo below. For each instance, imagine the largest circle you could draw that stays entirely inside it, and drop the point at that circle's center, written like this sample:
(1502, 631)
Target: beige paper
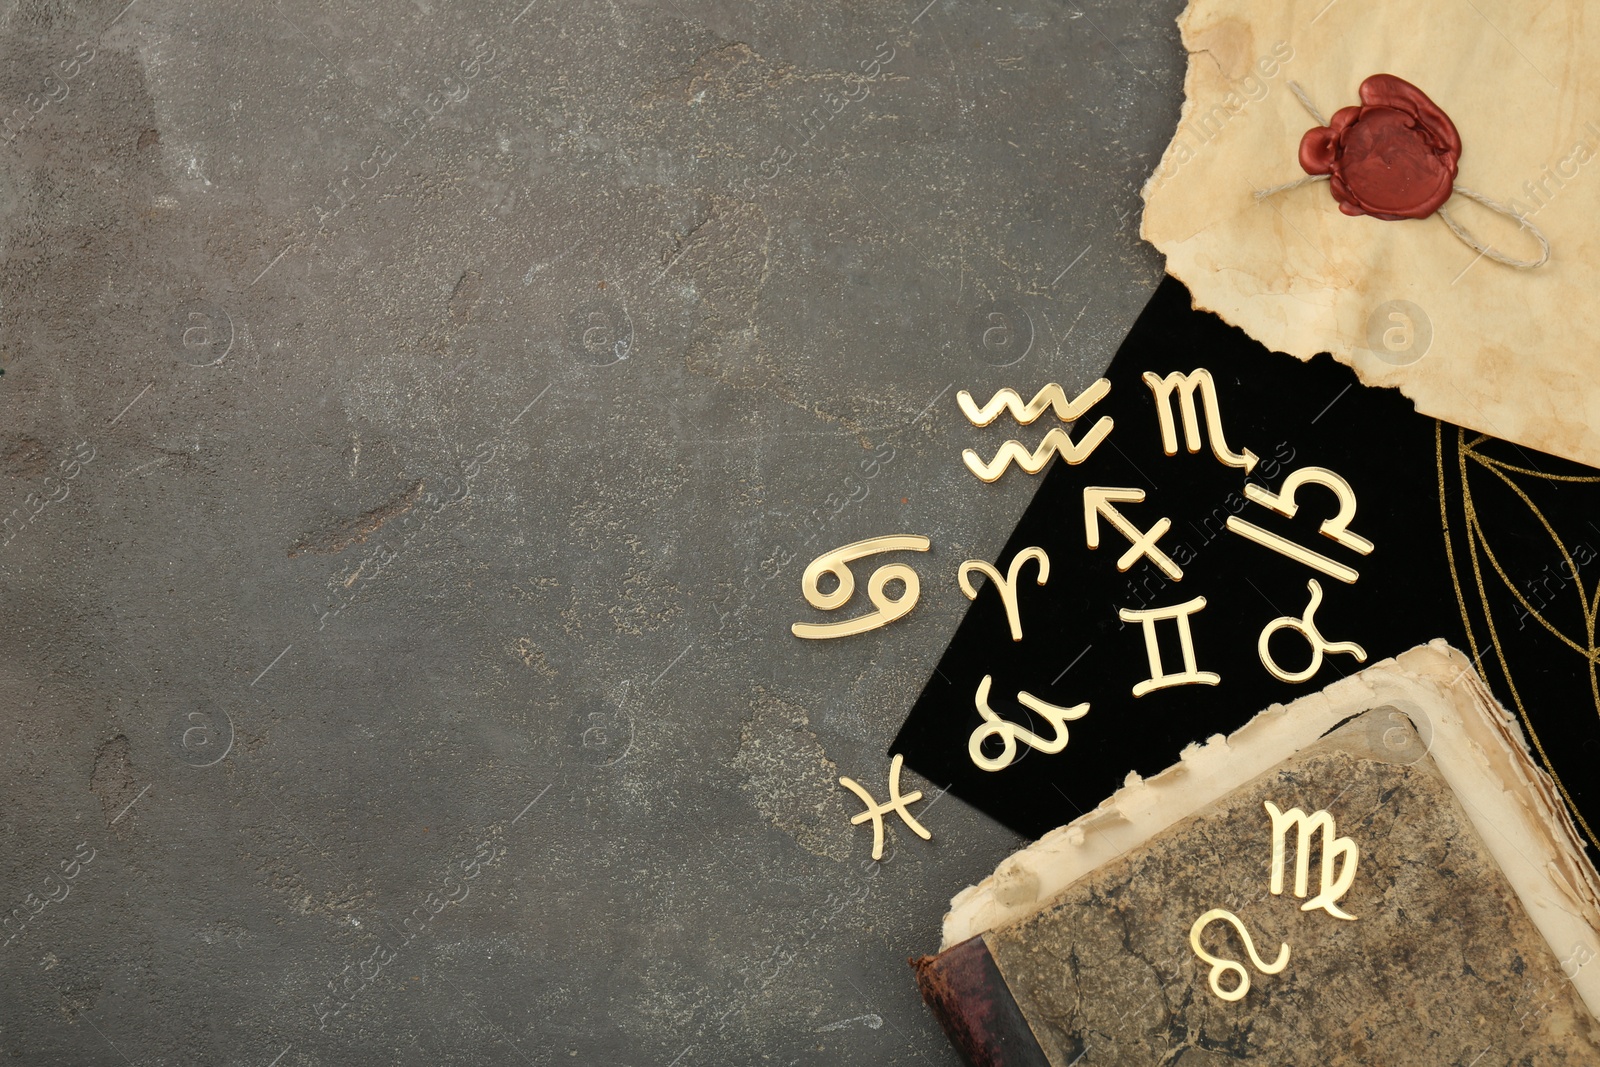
(1406, 304)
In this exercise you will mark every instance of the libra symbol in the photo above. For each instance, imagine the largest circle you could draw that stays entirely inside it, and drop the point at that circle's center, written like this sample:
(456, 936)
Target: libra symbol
(896, 804)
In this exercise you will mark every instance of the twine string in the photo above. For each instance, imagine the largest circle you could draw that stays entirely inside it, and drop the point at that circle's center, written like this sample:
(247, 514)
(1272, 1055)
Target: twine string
(1462, 234)
(1262, 194)
(1305, 102)
(1484, 250)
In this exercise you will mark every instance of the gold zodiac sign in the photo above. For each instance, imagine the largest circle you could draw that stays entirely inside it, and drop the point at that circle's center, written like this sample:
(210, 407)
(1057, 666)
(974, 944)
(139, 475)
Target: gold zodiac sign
(1337, 528)
(1056, 440)
(1159, 679)
(1306, 627)
(1220, 966)
(1010, 733)
(1340, 851)
(1052, 396)
(896, 804)
(1186, 384)
(1007, 586)
(837, 563)
(1097, 501)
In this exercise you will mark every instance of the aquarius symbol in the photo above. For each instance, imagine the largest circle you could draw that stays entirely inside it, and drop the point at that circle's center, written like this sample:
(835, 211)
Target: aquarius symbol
(896, 804)
(1010, 733)
(1056, 441)
(1306, 627)
(1051, 397)
(1220, 966)
(837, 563)
(1007, 586)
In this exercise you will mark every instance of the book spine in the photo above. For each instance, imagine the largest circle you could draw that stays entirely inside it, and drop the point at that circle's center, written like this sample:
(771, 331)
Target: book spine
(967, 994)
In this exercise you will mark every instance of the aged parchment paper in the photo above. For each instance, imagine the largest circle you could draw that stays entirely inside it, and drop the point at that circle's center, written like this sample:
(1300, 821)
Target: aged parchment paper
(1503, 351)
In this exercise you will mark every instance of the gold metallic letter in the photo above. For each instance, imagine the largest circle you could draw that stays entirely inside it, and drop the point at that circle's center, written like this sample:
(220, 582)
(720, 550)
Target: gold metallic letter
(1158, 678)
(1010, 733)
(1335, 850)
(1186, 384)
(1218, 966)
(1305, 626)
(1007, 586)
(837, 563)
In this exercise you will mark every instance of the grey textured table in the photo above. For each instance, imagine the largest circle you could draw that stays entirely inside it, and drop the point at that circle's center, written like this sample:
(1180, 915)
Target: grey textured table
(415, 420)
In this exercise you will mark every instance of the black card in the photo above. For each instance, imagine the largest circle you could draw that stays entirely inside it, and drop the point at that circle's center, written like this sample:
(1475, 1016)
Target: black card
(1488, 545)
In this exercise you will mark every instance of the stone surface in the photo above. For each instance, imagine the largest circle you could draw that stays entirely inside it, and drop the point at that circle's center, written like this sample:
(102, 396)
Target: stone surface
(1440, 964)
(462, 389)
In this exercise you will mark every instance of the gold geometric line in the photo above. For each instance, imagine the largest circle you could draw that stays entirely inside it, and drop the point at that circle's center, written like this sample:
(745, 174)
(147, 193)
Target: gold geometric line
(1488, 618)
(1481, 458)
(1572, 566)
(1477, 527)
(1469, 511)
(1522, 710)
(1449, 546)
(1462, 450)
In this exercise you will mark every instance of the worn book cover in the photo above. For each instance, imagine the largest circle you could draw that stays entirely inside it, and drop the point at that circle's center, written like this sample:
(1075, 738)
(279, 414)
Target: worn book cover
(1401, 888)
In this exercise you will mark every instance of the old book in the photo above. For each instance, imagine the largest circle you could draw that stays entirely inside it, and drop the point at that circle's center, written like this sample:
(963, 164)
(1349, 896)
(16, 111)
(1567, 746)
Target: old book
(1378, 873)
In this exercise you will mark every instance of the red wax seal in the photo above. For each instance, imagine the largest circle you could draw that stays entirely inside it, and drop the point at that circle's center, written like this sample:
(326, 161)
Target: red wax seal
(1394, 157)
